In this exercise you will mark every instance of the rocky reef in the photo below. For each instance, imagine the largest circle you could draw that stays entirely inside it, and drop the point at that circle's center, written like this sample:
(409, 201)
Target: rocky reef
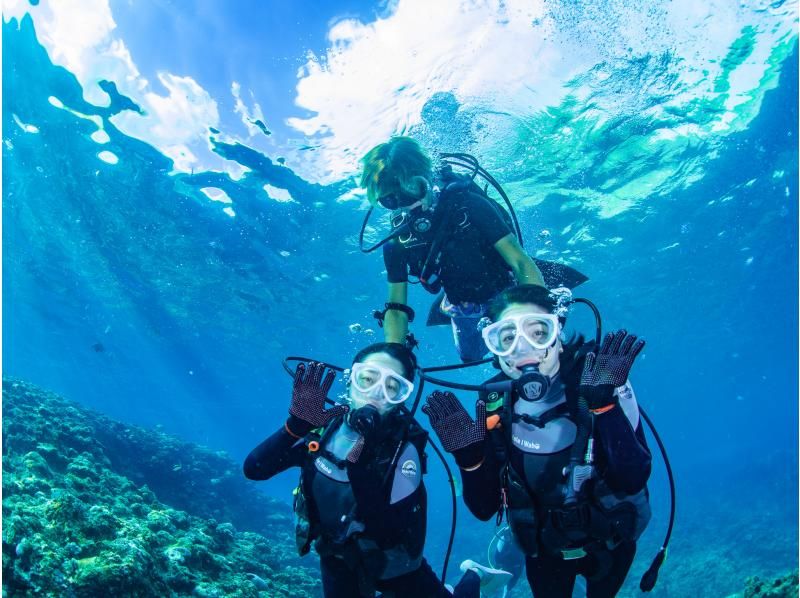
(782, 587)
(94, 507)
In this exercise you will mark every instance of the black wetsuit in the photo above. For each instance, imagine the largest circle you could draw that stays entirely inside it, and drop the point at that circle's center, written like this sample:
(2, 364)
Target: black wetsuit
(393, 516)
(622, 461)
(470, 267)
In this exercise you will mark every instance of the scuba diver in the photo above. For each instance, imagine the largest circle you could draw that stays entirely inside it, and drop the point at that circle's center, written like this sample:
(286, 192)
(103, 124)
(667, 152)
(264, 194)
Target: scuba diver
(449, 235)
(361, 500)
(557, 447)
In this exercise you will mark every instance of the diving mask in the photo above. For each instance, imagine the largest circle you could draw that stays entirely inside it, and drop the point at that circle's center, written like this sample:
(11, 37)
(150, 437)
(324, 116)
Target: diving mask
(378, 381)
(402, 198)
(539, 330)
(394, 201)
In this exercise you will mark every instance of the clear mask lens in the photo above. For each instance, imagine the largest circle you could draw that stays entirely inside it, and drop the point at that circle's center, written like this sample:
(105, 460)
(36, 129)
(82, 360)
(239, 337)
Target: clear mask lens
(382, 382)
(539, 330)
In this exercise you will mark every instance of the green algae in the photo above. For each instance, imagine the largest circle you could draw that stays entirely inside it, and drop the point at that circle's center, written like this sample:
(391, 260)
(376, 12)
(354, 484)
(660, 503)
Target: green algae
(91, 507)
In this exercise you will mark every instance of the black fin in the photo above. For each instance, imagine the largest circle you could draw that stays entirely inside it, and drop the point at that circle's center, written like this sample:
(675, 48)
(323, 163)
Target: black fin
(435, 315)
(559, 275)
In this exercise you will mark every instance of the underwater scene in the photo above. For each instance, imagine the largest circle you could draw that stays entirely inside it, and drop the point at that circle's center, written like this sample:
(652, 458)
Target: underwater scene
(188, 201)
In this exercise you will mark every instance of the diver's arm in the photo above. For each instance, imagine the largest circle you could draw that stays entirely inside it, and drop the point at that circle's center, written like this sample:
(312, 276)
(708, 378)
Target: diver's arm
(522, 265)
(481, 485)
(277, 453)
(395, 323)
(627, 457)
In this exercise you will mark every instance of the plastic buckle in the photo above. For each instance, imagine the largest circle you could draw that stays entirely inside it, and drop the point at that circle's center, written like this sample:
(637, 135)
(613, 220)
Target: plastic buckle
(573, 554)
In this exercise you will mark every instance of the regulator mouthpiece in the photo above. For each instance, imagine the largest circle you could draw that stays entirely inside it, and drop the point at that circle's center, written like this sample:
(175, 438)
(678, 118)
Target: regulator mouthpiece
(532, 385)
(365, 420)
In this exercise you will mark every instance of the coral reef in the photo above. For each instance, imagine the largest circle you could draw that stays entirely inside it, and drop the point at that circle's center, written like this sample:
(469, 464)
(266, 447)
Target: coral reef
(94, 507)
(782, 587)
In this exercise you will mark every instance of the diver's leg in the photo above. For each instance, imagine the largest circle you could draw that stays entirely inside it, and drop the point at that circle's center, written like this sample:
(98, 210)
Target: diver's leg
(423, 582)
(468, 340)
(606, 585)
(338, 581)
(550, 576)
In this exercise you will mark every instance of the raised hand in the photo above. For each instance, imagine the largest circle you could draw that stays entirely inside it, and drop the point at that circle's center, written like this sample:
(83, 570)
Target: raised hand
(307, 410)
(457, 431)
(609, 368)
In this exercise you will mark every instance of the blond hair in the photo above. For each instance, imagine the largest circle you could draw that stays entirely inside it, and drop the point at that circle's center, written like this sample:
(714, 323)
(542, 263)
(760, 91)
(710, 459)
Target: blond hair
(388, 164)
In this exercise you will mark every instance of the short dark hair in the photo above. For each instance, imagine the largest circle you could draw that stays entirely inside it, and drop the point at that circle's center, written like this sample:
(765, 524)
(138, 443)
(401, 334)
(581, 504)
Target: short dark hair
(524, 293)
(397, 350)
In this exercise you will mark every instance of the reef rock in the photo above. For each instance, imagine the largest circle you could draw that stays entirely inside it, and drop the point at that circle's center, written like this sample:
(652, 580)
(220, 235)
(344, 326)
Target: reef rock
(94, 507)
(782, 587)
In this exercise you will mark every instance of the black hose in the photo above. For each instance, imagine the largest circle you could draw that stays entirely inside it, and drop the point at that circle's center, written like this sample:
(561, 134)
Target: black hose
(457, 366)
(451, 384)
(472, 163)
(395, 233)
(289, 370)
(597, 319)
(650, 577)
(453, 494)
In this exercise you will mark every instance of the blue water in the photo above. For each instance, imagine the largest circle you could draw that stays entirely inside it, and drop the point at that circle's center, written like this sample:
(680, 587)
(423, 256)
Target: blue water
(127, 289)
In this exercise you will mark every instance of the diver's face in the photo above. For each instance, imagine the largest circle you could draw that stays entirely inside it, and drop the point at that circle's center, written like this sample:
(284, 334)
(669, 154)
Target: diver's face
(405, 193)
(524, 354)
(377, 395)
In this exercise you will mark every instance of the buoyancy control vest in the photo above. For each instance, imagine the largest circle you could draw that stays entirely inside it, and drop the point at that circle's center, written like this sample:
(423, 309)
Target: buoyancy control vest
(538, 438)
(360, 512)
(447, 217)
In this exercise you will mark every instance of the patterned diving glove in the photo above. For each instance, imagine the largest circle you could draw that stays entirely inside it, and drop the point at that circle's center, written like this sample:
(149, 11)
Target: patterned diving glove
(307, 410)
(456, 430)
(608, 369)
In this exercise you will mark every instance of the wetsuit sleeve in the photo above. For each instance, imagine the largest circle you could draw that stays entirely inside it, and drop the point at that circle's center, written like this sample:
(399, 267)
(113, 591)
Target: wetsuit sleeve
(394, 260)
(488, 218)
(277, 453)
(481, 486)
(623, 457)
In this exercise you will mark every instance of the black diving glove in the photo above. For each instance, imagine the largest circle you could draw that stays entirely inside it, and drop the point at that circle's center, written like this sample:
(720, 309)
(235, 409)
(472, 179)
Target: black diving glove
(605, 371)
(307, 410)
(456, 430)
